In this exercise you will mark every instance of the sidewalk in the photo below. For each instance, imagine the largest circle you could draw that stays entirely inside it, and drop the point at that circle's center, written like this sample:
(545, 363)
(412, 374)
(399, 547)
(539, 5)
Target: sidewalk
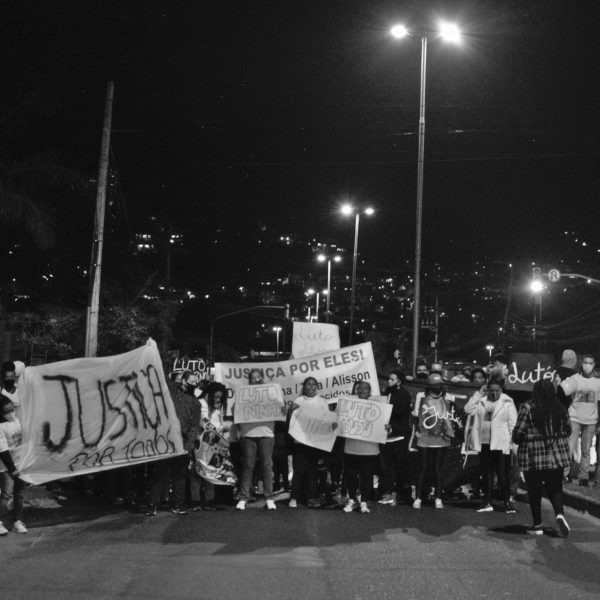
(582, 498)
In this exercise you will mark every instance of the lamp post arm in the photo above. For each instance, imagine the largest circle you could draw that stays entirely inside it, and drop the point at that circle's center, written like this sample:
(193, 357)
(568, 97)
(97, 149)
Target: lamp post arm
(573, 275)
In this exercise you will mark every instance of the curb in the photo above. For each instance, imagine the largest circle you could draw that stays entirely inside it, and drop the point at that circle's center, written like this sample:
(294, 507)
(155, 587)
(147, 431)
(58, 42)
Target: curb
(582, 502)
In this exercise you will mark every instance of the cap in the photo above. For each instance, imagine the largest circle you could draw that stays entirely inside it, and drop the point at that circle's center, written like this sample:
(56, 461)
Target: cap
(435, 379)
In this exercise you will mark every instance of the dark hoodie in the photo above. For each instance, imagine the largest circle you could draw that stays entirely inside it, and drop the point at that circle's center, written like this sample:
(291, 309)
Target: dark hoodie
(400, 400)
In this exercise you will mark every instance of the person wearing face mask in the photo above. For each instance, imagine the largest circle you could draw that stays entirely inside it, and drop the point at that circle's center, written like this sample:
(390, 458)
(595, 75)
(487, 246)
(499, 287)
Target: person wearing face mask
(175, 468)
(494, 418)
(583, 413)
(421, 371)
(433, 432)
(10, 484)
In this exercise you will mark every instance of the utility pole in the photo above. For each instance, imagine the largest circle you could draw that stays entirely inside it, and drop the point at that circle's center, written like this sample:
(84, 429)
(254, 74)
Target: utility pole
(91, 325)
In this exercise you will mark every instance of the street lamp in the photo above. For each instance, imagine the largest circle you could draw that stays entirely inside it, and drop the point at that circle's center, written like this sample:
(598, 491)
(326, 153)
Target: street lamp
(323, 258)
(490, 349)
(450, 33)
(537, 287)
(347, 209)
(311, 292)
(277, 330)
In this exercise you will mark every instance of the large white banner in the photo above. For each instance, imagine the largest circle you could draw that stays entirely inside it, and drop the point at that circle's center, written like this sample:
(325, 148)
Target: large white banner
(309, 339)
(91, 414)
(258, 403)
(335, 371)
(363, 419)
(313, 426)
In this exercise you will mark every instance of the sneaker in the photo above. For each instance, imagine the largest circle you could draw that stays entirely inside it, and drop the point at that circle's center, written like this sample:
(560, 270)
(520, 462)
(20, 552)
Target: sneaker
(386, 499)
(178, 510)
(3, 530)
(509, 508)
(485, 507)
(197, 508)
(364, 509)
(535, 530)
(417, 503)
(270, 505)
(314, 503)
(151, 510)
(563, 526)
(293, 503)
(241, 505)
(19, 527)
(350, 506)
(584, 483)
(439, 503)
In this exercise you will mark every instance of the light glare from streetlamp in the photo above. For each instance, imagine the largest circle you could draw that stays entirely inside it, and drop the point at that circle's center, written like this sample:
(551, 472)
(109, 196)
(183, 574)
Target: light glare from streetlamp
(346, 209)
(321, 258)
(369, 211)
(399, 31)
(337, 258)
(536, 286)
(450, 32)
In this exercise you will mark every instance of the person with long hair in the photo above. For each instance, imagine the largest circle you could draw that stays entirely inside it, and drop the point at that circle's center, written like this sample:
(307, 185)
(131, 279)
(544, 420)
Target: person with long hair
(542, 433)
(434, 432)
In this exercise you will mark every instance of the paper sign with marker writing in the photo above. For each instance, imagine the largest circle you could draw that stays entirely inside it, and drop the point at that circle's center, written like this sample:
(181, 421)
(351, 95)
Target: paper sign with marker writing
(363, 419)
(258, 403)
(91, 414)
(309, 339)
(313, 426)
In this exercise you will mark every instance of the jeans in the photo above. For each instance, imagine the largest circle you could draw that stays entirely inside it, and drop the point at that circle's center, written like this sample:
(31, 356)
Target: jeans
(11, 488)
(435, 458)
(551, 479)
(494, 461)
(587, 433)
(251, 447)
(358, 474)
(395, 466)
(305, 465)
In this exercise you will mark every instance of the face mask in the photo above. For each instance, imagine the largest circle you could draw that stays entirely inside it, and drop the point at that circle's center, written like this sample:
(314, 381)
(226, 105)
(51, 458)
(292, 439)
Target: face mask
(9, 384)
(421, 375)
(436, 391)
(587, 369)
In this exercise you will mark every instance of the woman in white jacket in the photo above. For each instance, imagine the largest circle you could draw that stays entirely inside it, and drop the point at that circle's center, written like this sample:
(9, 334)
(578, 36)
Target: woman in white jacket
(492, 418)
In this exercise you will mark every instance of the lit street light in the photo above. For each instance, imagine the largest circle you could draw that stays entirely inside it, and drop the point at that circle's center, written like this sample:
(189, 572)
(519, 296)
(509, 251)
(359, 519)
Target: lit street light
(347, 209)
(450, 33)
(323, 258)
(310, 292)
(490, 349)
(537, 287)
(277, 330)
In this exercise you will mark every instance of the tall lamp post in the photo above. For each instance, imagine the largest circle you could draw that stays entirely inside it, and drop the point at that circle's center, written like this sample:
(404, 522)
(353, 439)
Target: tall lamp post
(323, 258)
(537, 287)
(449, 33)
(347, 209)
(277, 330)
(311, 292)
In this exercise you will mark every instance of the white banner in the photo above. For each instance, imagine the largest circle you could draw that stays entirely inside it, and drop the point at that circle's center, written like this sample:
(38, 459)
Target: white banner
(313, 426)
(335, 371)
(309, 339)
(363, 419)
(258, 403)
(91, 414)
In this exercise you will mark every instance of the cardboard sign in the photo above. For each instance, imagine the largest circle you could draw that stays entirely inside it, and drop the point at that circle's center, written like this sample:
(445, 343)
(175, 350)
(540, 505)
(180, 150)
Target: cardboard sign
(335, 371)
(309, 339)
(92, 414)
(363, 419)
(258, 403)
(313, 426)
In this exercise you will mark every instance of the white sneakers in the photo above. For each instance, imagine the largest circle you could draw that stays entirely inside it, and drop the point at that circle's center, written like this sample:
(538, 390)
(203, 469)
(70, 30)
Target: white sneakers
(270, 505)
(364, 509)
(241, 505)
(417, 503)
(350, 506)
(293, 503)
(18, 527)
(563, 526)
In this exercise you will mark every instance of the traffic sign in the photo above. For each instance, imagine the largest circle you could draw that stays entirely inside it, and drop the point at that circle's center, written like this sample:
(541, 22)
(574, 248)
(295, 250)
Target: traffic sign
(553, 275)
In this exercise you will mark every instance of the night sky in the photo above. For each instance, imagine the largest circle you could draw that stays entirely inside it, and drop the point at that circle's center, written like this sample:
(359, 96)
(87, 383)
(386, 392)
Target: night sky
(237, 114)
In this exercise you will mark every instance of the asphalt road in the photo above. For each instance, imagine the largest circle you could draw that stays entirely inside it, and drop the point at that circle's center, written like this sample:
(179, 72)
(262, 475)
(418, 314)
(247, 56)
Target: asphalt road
(394, 552)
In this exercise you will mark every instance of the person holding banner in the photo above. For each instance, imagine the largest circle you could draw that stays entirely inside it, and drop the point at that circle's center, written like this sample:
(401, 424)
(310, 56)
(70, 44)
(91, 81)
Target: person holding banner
(359, 465)
(305, 459)
(10, 483)
(433, 432)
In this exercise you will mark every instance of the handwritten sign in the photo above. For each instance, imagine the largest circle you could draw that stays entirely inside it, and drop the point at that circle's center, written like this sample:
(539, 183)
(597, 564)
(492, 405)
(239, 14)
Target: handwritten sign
(525, 369)
(196, 365)
(258, 403)
(212, 459)
(363, 419)
(335, 371)
(313, 426)
(309, 339)
(91, 414)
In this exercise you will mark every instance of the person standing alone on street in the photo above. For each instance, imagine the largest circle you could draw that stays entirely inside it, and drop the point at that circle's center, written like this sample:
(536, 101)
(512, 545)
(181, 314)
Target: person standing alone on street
(583, 413)
(542, 433)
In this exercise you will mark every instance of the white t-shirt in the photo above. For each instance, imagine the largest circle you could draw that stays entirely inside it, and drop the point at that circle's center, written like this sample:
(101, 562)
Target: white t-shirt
(586, 395)
(11, 436)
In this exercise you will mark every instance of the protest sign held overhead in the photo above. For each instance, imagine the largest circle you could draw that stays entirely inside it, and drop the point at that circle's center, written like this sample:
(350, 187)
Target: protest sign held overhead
(90, 414)
(314, 426)
(336, 372)
(309, 339)
(258, 403)
(363, 419)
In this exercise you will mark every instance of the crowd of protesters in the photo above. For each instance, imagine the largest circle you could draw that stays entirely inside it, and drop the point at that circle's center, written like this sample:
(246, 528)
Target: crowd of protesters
(537, 442)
